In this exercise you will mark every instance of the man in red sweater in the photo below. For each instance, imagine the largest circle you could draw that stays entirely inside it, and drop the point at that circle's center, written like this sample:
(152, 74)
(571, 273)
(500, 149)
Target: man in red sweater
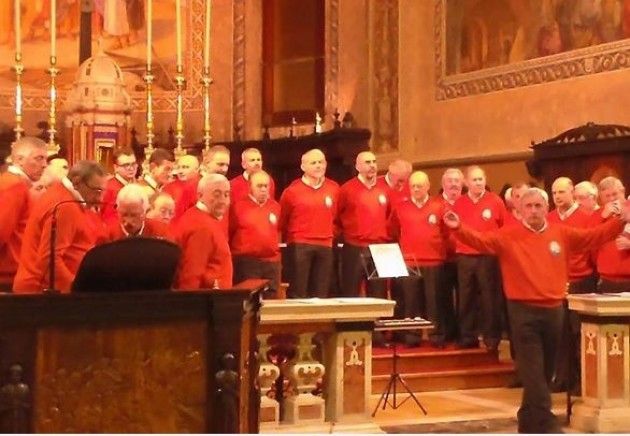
(585, 194)
(362, 218)
(613, 258)
(396, 181)
(77, 230)
(251, 161)
(28, 155)
(452, 185)
(161, 164)
(534, 263)
(416, 223)
(308, 208)
(217, 161)
(478, 274)
(183, 188)
(161, 208)
(132, 204)
(206, 260)
(254, 234)
(125, 168)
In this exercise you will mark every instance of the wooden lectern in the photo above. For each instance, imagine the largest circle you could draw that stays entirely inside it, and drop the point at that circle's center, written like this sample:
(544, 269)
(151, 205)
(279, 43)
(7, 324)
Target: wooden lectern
(142, 362)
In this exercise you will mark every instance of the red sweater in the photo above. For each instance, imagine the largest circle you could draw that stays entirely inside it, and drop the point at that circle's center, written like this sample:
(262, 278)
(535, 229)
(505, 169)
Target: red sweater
(307, 215)
(534, 265)
(394, 195)
(451, 242)
(77, 233)
(362, 213)
(108, 210)
(485, 215)
(580, 263)
(612, 264)
(205, 252)
(184, 195)
(254, 229)
(422, 235)
(15, 206)
(152, 229)
(239, 188)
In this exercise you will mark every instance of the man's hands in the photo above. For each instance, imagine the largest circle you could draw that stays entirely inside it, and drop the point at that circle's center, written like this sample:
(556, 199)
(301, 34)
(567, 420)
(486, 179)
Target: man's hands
(451, 219)
(612, 208)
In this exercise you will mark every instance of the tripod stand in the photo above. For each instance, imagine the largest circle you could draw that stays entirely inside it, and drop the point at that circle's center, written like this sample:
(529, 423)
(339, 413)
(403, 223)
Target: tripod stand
(394, 377)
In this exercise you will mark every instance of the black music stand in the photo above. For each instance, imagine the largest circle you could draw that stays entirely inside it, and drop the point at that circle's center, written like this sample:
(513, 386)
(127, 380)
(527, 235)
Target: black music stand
(130, 264)
(411, 324)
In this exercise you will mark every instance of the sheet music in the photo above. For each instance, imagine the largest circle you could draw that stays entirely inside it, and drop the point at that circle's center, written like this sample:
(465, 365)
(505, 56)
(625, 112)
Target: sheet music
(388, 260)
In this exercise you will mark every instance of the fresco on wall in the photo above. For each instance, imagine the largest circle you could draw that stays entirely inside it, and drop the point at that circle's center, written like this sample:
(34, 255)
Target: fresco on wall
(118, 28)
(489, 33)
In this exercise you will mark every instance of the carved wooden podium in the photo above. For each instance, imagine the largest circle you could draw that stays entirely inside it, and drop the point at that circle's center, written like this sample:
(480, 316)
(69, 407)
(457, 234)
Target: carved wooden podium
(589, 152)
(605, 354)
(160, 362)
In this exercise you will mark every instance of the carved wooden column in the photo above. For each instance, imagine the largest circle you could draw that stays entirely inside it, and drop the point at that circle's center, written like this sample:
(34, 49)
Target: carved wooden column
(267, 375)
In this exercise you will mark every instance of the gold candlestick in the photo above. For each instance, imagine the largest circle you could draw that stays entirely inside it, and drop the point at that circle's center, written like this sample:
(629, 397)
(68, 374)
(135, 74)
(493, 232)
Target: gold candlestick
(19, 70)
(148, 150)
(206, 81)
(53, 71)
(180, 81)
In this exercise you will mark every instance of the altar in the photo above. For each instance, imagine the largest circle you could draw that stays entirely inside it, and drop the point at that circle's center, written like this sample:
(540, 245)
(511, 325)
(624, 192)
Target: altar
(316, 364)
(605, 403)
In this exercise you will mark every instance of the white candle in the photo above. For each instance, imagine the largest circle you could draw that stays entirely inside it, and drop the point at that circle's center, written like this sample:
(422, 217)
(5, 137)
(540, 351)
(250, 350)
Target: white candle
(149, 31)
(53, 28)
(18, 28)
(206, 41)
(178, 30)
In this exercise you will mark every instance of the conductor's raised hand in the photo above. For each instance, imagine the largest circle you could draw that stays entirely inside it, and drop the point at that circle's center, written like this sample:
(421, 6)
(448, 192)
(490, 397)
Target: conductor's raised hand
(451, 219)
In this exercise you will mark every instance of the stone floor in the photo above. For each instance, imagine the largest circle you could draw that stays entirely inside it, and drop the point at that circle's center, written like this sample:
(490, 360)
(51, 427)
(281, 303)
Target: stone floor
(468, 411)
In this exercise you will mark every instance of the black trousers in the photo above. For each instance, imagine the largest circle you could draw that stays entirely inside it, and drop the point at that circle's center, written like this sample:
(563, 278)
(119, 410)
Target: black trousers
(353, 273)
(425, 295)
(479, 303)
(451, 301)
(568, 361)
(536, 332)
(609, 286)
(310, 270)
(246, 267)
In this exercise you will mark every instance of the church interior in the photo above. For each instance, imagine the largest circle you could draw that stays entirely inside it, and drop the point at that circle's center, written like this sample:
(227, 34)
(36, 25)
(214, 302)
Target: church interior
(343, 98)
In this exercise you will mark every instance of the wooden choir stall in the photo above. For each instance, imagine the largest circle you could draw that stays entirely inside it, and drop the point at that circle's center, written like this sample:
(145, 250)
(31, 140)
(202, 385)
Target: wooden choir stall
(130, 362)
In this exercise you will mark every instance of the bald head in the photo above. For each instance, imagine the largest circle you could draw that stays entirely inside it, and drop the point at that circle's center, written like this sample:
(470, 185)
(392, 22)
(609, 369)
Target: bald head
(29, 155)
(188, 166)
(419, 185)
(475, 180)
(313, 164)
(562, 192)
(366, 165)
(259, 186)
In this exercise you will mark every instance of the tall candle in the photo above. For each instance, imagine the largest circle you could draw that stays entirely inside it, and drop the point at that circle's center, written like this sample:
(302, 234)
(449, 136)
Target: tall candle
(178, 30)
(18, 28)
(53, 28)
(206, 41)
(149, 30)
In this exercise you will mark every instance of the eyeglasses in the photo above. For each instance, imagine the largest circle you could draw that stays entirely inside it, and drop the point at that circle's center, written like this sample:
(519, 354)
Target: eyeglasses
(128, 165)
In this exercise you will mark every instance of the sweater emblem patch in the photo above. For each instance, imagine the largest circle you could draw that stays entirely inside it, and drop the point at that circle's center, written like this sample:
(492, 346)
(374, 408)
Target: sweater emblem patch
(273, 219)
(328, 201)
(432, 219)
(554, 248)
(486, 214)
(382, 199)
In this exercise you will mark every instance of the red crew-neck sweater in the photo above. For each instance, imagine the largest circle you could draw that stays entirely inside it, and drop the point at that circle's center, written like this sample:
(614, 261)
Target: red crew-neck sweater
(239, 188)
(307, 214)
(108, 210)
(152, 229)
(580, 263)
(485, 215)
(77, 233)
(394, 195)
(15, 206)
(363, 213)
(254, 229)
(534, 266)
(612, 264)
(420, 231)
(184, 195)
(205, 252)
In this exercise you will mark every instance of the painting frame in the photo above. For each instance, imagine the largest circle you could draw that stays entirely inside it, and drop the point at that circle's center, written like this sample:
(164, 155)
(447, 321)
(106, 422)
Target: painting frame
(596, 59)
(163, 100)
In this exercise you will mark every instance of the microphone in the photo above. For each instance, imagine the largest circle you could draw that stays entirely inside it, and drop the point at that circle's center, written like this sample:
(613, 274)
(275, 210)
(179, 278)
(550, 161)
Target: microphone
(53, 241)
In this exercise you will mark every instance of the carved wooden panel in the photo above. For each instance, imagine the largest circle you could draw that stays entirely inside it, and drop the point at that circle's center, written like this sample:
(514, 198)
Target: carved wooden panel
(142, 379)
(589, 347)
(615, 364)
